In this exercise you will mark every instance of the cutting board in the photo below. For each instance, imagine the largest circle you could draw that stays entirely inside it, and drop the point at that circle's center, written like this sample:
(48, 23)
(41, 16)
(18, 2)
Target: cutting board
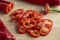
(53, 35)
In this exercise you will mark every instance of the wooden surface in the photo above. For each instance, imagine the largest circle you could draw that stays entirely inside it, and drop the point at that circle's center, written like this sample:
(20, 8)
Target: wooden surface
(54, 34)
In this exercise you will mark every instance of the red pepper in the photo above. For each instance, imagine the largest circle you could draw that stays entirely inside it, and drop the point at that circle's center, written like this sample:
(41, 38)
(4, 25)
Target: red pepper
(54, 2)
(43, 2)
(30, 23)
(6, 6)
(21, 29)
(34, 33)
(17, 14)
(46, 27)
(38, 17)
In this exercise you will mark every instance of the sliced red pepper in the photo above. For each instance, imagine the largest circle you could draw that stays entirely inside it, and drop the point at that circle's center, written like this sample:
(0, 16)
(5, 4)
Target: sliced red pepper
(30, 13)
(46, 27)
(54, 2)
(33, 14)
(34, 33)
(6, 6)
(38, 17)
(16, 15)
(30, 23)
(39, 24)
(21, 28)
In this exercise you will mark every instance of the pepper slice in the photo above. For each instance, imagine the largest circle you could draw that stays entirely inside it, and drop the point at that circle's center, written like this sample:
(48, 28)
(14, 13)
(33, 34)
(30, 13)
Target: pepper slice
(16, 15)
(33, 14)
(21, 28)
(38, 17)
(46, 27)
(30, 23)
(34, 33)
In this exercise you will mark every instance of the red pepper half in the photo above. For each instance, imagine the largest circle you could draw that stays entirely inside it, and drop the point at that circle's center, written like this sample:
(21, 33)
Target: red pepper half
(38, 17)
(39, 2)
(31, 21)
(4, 0)
(3, 36)
(33, 14)
(54, 2)
(43, 2)
(30, 13)
(6, 6)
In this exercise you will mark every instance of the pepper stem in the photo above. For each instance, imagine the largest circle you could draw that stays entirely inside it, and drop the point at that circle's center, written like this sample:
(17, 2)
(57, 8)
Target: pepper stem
(52, 9)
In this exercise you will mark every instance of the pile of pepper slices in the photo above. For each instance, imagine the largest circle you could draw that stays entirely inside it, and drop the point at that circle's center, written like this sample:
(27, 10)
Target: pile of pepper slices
(31, 22)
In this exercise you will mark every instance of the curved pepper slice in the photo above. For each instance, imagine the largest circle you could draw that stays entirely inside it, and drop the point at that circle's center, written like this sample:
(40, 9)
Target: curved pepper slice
(34, 33)
(46, 27)
(6, 6)
(30, 23)
(4, 0)
(16, 15)
(43, 2)
(30, 13)
(21, 29)
(3, 36)
(33, 14)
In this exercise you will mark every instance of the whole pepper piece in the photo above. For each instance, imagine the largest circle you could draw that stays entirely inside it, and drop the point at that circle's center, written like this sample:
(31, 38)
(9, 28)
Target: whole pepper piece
(6, 6)
(43, 2)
